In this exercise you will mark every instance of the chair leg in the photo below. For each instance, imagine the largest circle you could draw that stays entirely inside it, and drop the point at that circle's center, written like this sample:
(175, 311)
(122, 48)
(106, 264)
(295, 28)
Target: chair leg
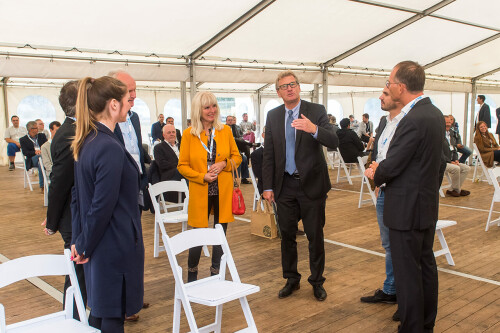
(177, 315)
(489, 215)
(445, 247)
(190, 316)
(361, 193)
(218, 318)
(247, 312)
(156, 250)
(205, 251)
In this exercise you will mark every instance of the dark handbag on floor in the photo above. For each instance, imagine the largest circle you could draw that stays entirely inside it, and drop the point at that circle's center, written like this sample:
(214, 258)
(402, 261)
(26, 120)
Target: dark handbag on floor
(238, 202)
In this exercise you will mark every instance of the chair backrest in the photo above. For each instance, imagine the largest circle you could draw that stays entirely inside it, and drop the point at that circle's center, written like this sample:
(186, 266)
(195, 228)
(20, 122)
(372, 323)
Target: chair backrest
(494, 174)
(168, 186)
(256, 193)
(478, 154)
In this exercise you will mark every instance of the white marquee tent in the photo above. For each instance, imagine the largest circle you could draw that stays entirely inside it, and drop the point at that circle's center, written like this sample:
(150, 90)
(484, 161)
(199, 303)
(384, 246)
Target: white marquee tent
(342, 51)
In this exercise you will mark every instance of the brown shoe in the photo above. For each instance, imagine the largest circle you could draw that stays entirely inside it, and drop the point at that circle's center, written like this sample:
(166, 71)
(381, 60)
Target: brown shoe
(145, 305)
(134, 317)
(453, 193)
(464, 193)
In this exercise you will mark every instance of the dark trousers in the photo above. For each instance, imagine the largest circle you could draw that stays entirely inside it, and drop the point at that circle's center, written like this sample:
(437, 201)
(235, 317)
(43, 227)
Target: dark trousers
(416, 278)
(66, 236)
(195, 252)
(108, 325)
(496, 155)
(294, 205)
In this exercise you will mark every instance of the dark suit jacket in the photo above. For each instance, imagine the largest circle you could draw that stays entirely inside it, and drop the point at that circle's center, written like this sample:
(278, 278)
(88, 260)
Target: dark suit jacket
(167, 161)
(309, 157)
(256, 158)
(484, 114)
(379, 130)
(28, 147)
(107, 224)
(350, 145)
(178, 136)
(61, 178)
(411, 169)
(498, 121)
(156, 131)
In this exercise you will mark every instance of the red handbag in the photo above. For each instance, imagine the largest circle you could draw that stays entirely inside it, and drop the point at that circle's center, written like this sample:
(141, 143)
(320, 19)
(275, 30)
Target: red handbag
(238, 202)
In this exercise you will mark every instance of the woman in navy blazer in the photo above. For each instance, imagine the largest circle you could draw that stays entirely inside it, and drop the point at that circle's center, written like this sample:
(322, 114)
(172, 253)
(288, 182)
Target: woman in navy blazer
(107, 233)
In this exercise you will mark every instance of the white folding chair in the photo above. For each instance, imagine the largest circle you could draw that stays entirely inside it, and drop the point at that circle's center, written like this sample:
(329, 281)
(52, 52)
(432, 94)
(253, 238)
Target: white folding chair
(45, 265)
(46, 183)
(445, 187)
(27, 177)
(365, 182)
(211, 291)
(256, 194)
(479, 160)
(347, 167)
(494, 174)
(445, 250)
(164, 215)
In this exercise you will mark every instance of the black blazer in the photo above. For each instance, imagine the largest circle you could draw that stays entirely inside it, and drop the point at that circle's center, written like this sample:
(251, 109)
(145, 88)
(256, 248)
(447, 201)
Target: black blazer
(411, 169)
(178, 135)
(156, 129)
(484, 114)
(61, 178)
(166, 160)
(350, 145)
(309, 157)
(28, 147)
(256, 158)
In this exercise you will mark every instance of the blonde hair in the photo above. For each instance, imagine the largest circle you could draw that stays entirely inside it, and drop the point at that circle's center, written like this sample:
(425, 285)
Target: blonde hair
(201, 100)
(284, 74)
(93, 96)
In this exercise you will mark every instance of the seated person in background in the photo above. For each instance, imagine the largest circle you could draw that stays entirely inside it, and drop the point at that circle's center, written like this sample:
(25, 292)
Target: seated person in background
(457, 171)
(156, 128)
(365, 128)
(256, 158)
(178, 135)
(30, 146)
(41, 128)
(487, 145)
(247, 128)
(46, 157)
(350, 144)
(243, 148)
(12, 136)
(354, 123)
(465, 151)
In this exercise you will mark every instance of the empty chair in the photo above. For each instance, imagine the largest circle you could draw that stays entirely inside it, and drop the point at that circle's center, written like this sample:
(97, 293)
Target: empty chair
(211, 291)
(479, 161)
(445, 187)
(365, 182)
(494, 174)
(45, 265)
(341, 164)
(46, 182)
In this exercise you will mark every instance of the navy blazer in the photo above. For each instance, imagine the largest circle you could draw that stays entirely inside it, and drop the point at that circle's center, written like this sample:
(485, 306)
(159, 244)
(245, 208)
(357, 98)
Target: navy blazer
(411, 169)
(106, 224)
(28, 147)
(156, 131)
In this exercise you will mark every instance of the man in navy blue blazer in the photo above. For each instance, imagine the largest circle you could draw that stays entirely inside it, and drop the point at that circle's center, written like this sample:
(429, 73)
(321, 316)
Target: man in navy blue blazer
(30, 146)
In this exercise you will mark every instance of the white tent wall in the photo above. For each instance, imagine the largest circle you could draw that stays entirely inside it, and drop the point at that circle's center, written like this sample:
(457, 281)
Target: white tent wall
(4, 123)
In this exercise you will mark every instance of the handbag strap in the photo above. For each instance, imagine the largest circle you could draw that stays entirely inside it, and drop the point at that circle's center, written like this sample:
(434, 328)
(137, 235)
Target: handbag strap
(235, 173)
(267, 206)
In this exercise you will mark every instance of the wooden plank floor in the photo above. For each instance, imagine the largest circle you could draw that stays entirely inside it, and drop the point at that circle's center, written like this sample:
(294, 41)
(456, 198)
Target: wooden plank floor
(466, 304)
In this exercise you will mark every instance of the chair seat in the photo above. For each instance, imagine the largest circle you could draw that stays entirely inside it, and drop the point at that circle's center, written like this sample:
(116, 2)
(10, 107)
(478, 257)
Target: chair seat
(52, 326)
(444, 223)
(214, 292)
(174, 217)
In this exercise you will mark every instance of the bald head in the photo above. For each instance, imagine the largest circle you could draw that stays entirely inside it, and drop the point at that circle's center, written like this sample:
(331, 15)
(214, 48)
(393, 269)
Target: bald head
(129, 82)
(169, 133)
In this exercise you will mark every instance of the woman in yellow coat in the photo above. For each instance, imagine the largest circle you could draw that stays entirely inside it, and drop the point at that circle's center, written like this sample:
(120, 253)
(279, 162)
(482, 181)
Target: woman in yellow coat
(204, 159)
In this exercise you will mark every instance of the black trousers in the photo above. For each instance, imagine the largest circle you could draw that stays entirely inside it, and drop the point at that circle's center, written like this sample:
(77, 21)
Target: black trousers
(66, 236)
(294, 205)
(195, 252)
(416, 278)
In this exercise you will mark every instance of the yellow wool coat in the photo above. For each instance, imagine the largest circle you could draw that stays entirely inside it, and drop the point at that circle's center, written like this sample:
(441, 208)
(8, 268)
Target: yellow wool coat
(193, 166)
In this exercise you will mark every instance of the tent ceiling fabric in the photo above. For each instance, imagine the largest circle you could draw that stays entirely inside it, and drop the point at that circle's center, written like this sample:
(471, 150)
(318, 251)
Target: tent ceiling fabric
(309, 32)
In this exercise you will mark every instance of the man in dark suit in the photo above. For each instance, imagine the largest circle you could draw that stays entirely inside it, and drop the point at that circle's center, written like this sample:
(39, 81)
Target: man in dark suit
(411, 174)
(61, 182)
(156, 128)
(178, 135)
(30, 146)
(256, 157)
(296, 176)
(129, 134)
(484, 111)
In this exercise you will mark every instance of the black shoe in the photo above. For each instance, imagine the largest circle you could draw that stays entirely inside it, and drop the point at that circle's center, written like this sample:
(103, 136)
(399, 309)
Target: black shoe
(192, 276)
(396, 316)
(245, 181)
(255, 145)
(288, 289)
(379, 297)
(319, 292)
(12, 167)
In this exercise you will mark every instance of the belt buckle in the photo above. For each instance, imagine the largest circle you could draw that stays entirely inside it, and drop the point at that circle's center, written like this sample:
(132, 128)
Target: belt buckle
(296, 176)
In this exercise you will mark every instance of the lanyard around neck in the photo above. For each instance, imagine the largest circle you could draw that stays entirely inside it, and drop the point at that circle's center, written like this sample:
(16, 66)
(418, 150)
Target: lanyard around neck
(211, 139)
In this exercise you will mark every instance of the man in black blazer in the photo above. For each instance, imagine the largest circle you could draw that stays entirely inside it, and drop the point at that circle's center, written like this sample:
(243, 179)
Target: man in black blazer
(156, 134)
(61, 181)
(178, 134)
(484, 111)
(30, 146)
(410, 173)
(296, 176)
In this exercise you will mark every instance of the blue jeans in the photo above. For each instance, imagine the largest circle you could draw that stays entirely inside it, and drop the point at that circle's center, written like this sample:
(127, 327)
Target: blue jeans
(35, 163)
(12, 149)
(389, 284)
(466, 152)
(243, 168)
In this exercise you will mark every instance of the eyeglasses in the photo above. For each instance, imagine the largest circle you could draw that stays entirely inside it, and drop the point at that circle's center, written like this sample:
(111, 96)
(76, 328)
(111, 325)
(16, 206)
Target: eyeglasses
(291, 85)
(388, 84)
